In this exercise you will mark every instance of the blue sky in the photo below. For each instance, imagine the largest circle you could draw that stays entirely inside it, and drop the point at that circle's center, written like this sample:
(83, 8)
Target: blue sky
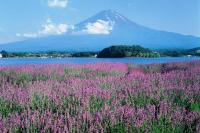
(28, 18)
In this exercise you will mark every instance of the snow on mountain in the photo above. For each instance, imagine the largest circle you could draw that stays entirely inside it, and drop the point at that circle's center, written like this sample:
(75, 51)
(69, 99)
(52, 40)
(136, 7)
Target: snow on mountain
(102, 30)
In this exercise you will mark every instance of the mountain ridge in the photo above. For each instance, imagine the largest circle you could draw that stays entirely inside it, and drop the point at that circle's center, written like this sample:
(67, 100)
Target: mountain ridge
(120, 30)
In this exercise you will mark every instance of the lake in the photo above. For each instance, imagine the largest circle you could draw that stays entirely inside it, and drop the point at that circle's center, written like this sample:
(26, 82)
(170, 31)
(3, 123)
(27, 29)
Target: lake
(25, 61)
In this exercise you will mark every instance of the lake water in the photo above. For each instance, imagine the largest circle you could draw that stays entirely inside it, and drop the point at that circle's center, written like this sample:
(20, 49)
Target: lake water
(25, 61)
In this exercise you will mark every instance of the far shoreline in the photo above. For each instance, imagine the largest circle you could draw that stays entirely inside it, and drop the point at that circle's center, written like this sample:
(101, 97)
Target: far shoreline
(101, 58)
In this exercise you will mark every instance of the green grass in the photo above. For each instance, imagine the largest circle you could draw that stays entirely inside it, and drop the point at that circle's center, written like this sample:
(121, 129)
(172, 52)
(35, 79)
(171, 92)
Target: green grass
(118, 128)
(70, 70)
(8, 107)
(96, 104)
(195, 106)
(164, 125)
(140, 100)
(42, 103)
(106, 86)
(106, 74)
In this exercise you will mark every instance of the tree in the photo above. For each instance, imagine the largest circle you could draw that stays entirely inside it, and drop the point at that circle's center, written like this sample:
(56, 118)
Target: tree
(125, 51)
(4, 54)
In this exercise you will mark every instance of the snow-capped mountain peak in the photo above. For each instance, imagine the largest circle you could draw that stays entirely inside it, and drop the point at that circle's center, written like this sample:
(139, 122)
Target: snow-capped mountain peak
(104, 29)
(111, 15)
(103, 22)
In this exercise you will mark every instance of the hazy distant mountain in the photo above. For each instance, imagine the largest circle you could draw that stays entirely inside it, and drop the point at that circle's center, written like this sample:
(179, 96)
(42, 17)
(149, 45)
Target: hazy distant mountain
(102, 30)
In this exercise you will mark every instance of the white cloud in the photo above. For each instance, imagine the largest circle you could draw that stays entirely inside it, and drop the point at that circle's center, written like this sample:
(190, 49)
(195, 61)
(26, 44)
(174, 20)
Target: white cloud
(53, 29)
(49, 28)
(99, 27)
(57, 3)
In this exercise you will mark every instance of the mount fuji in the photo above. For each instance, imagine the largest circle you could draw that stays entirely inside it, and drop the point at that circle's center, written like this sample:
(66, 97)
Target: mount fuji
(102, 30)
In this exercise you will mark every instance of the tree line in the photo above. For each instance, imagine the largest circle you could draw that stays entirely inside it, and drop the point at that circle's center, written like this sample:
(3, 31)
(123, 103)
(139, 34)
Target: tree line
(120, 51)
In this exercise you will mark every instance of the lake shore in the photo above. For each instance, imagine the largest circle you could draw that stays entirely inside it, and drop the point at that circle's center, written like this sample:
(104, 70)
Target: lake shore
(83, 60)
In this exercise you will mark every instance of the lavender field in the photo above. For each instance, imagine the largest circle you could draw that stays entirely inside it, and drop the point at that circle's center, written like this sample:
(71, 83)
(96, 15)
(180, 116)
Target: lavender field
(100, 97)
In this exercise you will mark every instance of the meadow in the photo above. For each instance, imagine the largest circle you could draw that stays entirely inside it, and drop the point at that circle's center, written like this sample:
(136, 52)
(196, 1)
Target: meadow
(100, 97)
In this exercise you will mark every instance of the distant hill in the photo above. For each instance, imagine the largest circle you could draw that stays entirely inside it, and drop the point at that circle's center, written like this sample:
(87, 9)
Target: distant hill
(126, 51)
(180, 52)
(117, 30)
(194, 51)
(197, 50)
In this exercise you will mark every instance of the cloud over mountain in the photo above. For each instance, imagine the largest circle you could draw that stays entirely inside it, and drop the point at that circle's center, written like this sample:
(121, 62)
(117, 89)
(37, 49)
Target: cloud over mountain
(104, 29)
(49, 28)
(99, 27)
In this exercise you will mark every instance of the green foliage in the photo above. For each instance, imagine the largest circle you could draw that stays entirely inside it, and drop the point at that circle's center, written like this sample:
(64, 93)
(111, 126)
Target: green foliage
(70, 104)
(140, 100)
(56, 76)
(30, 129)
(115, 73)
(42, 103)
(194, 51)
(106, 74)
(7, 107)
(96, 104)
(163, 68)
(76, 71)
(118, 128)
(4, 54)
(86, 70)
(48, 54)
(172, 53)
(69, 70)
(23, 78)
(84, 54)
(178, 98)
(126, 51)
(130, 67)
(180, 52)
(102, 74)
(164, 125)
(106, 85)
(16, 129)
(109, 101)
(8, 73)
(195, 106)
(38, 102)
(40, 77)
